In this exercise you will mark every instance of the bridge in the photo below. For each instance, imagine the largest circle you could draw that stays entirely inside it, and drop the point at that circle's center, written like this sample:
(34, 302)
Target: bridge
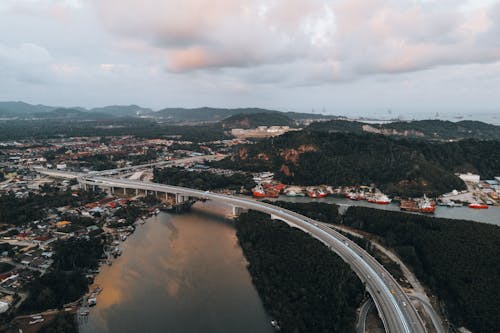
(394, 307)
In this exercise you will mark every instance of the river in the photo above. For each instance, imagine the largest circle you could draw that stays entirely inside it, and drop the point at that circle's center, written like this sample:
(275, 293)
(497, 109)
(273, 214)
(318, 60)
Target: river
(490, 215)
(178, 273)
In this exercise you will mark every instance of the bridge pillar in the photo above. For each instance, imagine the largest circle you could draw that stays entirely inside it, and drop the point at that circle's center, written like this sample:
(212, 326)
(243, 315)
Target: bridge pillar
(124, 191)
(112, 190)
(236, 211)
(180, 198)
(136, 191)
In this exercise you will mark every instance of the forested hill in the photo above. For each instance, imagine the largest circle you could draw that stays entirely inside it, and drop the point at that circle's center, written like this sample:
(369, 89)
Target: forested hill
(396, 166)
(423, 129)
(257, 119)
(207, 114)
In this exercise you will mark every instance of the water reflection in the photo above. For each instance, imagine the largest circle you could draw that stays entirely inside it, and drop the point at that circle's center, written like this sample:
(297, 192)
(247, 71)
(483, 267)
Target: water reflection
(178, 274)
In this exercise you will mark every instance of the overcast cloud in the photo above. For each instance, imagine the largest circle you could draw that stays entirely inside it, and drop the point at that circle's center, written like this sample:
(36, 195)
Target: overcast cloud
(341, 55)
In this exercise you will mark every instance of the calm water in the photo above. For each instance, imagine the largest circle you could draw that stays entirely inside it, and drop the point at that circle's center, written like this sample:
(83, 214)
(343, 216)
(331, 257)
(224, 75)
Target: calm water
(183, 274)
(490, 215)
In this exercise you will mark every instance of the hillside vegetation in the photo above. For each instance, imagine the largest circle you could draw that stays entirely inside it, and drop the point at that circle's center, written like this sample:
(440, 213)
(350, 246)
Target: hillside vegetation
(303, 285)
(402, 167)
(257, 119)
(422, 129)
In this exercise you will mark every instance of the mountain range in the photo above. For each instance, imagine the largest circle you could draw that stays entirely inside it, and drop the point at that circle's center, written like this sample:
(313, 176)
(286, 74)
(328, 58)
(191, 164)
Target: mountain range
(21, 110)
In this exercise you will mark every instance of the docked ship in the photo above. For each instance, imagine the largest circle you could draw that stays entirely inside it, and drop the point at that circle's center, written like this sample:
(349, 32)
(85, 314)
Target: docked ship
(380, 199)
(294, 192)
(477, 205)
(357, 196)
(259, 192)
(316, 193)
(268, 191)
(424, 205)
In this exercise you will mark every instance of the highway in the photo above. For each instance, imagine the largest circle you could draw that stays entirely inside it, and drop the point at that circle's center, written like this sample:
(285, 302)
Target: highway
(393, 305)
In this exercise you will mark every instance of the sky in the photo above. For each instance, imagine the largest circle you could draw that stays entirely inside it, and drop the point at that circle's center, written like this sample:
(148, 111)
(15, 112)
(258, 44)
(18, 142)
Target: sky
(402, 57)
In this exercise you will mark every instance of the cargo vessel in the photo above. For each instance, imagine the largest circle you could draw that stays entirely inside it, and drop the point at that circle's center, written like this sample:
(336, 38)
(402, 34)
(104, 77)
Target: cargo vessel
(316, 193)
(380, 199)
(423, 205)
(477, 205)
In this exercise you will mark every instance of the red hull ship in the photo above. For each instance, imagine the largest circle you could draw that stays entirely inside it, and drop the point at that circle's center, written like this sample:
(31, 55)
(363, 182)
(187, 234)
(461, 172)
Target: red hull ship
(478, 206)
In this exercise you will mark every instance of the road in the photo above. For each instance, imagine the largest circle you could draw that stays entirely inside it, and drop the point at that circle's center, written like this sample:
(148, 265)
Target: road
(363, 313)
(418, 293)
(393, 305)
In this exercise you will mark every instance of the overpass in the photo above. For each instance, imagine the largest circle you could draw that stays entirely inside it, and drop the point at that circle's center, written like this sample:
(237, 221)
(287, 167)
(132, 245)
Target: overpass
(394, 307)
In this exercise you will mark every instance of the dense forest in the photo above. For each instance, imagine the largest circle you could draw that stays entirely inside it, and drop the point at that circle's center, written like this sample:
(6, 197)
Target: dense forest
(303, 285)
(202, 180)
(54, 128)
(457, 259)
(257, 119)
(422, 129)
(403, 167)
(323, 212)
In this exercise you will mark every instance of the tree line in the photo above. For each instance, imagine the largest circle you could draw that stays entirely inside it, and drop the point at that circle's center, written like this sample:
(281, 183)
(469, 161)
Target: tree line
(202, 180)
(302, 284)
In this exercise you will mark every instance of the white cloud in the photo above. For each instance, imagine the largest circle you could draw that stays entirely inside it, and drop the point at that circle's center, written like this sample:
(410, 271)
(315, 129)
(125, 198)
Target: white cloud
(347, 38)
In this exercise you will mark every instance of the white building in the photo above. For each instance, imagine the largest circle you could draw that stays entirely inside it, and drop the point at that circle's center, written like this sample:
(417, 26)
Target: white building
(469, 177)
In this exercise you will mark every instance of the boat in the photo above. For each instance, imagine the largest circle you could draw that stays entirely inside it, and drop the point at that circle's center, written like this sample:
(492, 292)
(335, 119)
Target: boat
(316, 193)
(423, 205)
(380, 199)
(92, 301)
(258, 191)
(477, 205)
(294, 192)
(351, 195)
(84, 312)
(272, 192)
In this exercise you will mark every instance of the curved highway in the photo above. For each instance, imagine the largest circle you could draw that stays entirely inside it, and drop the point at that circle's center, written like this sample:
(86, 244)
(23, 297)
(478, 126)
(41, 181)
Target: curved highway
(393, 305)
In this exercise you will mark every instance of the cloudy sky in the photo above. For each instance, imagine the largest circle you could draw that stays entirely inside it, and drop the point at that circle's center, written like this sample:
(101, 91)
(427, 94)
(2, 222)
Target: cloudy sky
(340, 56)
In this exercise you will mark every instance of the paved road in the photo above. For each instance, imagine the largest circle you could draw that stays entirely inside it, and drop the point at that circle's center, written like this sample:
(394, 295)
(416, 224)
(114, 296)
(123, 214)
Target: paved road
(363, 313)
(418, 293)
(393, 305)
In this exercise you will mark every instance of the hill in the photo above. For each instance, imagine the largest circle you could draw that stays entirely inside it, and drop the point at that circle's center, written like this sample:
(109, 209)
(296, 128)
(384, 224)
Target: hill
(422, 129)
(63, 113)
(207, 114)
(122, 110)
(256, 119)
(21, 110)
(397, 166)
